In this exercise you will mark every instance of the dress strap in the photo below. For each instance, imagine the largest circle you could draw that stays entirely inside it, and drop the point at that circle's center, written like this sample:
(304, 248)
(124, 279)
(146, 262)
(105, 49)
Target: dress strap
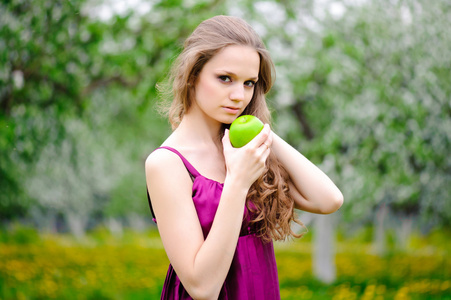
(151, 208)
(187, 164)
(191, 170)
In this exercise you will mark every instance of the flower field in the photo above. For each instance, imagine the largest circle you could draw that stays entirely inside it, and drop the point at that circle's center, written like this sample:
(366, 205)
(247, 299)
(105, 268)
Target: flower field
(101, 266)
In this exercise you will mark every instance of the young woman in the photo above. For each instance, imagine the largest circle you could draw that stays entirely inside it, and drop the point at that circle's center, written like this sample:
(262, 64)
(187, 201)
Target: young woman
(217, 207)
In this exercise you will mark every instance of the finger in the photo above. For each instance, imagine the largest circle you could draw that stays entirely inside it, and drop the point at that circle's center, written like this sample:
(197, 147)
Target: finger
(266, 152)
(269, 140)
(267, 143)
(263, 152)
(263, 148)
(263, 166)
(226, 140)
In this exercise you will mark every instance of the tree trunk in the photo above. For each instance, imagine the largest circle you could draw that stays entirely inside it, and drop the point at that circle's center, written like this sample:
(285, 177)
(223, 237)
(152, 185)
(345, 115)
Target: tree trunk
(45, 219)
(379, 238)
(77, 224)
(137, 222)
(115, 227)
(324, 249)
(404, 231)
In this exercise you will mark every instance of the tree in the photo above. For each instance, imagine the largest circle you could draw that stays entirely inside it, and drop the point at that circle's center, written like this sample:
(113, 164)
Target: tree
(282, 26)
(47, 65)
(370, 90)
(362, 90)
(387, 91)
(77, 97)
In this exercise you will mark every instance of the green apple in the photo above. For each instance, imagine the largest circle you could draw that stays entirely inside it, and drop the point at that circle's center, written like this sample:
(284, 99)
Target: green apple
(244, 129)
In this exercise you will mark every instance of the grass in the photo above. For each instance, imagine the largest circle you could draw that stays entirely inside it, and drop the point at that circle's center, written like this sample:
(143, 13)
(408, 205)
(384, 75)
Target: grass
(101, 266)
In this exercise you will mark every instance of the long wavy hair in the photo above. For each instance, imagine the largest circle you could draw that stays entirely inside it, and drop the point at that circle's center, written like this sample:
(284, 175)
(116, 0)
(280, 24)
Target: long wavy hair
(268, 199)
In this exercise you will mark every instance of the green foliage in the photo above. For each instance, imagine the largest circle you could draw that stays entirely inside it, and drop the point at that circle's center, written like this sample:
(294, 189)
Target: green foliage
(390, 132)
(77, 97)
(364, 93)
(18, 234)
(41, 85)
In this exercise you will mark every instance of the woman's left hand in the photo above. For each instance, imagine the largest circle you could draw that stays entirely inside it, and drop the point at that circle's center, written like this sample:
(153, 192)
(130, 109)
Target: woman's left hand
(248, 163)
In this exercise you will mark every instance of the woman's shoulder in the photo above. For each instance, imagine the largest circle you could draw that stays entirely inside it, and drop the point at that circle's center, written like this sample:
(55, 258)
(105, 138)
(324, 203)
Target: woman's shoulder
(161, 159)
(164, 169)
(167, 158)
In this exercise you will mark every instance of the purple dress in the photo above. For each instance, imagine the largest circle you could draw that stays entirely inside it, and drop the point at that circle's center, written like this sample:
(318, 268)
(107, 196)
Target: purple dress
(253, 272)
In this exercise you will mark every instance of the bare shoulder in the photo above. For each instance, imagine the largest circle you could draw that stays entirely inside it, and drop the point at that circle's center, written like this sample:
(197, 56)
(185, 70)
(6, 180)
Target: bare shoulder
(170, 189)
(163, 161)
(160, 159)
(165, 167)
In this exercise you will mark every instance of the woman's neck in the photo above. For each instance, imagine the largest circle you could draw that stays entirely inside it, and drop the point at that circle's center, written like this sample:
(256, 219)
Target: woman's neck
(200, 131)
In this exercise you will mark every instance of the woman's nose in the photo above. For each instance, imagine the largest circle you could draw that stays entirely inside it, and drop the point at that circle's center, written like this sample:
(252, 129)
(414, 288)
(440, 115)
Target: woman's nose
(237, 93)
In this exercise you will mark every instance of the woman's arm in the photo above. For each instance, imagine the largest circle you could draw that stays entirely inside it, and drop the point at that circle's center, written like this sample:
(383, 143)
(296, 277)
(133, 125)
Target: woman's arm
(202, 265)
(312, 190)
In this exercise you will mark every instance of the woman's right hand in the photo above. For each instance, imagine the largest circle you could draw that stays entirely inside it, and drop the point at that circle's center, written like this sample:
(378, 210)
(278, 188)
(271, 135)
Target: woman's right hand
(248, 163)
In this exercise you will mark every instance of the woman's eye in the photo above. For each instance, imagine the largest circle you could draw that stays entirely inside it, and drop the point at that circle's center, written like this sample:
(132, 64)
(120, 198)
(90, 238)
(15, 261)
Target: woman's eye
(224, 78)
(249, 83)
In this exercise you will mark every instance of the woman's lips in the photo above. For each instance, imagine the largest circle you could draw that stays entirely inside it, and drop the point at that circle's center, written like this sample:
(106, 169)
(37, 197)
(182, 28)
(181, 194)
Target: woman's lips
(231, 110)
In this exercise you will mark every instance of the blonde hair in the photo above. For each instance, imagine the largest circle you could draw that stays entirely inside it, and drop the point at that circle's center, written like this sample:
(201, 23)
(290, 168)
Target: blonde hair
(272, 206)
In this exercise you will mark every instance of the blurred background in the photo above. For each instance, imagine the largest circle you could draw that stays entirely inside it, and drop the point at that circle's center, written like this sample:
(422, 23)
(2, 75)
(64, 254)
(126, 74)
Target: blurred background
(363, 89)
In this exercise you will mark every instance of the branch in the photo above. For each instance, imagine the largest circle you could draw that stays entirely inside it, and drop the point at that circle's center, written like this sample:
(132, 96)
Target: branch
(101, 82)
(300, 115)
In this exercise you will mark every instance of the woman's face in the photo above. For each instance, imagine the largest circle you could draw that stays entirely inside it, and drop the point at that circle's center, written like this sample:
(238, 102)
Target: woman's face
(225, 85)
